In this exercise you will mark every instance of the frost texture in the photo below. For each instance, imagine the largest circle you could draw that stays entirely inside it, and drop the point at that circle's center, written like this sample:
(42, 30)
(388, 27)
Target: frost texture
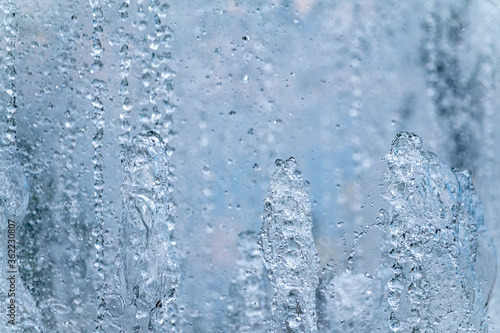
(150, 269)
(437, 285)
(289, 251)
(250, 304)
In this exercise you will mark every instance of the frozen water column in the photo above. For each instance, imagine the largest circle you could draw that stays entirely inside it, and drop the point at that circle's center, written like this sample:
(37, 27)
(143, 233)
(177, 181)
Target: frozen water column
(149, 267)
(290, 254)
(435, 218)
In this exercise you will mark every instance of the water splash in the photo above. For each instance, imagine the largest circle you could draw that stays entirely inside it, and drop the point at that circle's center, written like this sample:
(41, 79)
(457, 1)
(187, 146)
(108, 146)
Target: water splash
(289, 251)
(250, 306)
(433, 285)
(149, 266)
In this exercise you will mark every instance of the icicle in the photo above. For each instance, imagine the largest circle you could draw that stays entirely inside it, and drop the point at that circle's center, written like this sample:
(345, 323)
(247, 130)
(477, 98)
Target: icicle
(149, 265)
(432, 288)
(289, 251)
(250, 306)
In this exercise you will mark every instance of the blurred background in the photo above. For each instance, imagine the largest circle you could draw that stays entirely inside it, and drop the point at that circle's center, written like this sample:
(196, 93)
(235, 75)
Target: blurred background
(231, 86)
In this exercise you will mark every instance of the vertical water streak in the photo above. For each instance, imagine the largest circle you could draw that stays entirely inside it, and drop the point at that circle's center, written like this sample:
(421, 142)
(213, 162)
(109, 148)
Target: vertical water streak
(149, 266)
(125, 60)
(433, 282)
(14, 191)
(250, 305)
(161, 83)
(289, 251)
(99, 86)
(154, 50)
(11, 31)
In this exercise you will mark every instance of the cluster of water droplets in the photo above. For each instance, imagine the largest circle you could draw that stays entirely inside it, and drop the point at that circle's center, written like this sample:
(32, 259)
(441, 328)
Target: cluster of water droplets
(11, 31)
(125, 61)
(99, 88)
(153, 46)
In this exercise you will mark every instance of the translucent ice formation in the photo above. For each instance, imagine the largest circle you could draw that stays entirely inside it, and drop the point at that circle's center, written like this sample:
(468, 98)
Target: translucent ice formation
(149, 267)
(434, 228)
(250, 304)
(289, 251)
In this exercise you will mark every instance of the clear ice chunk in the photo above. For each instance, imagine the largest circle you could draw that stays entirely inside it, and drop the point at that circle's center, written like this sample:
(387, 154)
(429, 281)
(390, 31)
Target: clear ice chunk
(435, 217)
(149, 266)
(288, 247)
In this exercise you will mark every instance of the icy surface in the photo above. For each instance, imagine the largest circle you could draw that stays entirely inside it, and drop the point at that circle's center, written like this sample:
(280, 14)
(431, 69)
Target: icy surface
(433, 230)
(289, 251)
(149, 267)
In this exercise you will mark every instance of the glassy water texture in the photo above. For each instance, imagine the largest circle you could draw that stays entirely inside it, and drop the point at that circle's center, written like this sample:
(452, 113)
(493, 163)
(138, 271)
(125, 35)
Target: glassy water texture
(137, 168)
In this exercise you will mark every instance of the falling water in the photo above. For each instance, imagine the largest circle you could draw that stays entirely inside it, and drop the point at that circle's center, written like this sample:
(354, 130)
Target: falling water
(99, 87)
(125, 61)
